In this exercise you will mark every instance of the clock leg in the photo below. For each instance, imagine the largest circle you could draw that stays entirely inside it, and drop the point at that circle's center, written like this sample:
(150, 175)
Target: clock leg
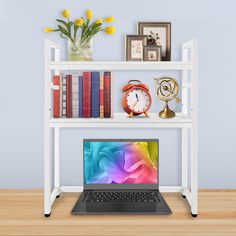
(131, 114)
(146, 114)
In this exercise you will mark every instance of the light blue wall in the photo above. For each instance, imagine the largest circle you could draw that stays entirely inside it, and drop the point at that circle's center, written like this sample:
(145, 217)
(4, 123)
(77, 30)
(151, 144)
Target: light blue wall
(211, 22)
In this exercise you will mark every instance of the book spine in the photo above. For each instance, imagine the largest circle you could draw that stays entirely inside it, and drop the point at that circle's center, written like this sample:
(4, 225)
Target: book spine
(56, 96)
(87, 94)
(80, 96)
(107, 94)
(69, 96)
(75, 96)
(95, 90)
(102, 97)
(111, 96)
(63, 105)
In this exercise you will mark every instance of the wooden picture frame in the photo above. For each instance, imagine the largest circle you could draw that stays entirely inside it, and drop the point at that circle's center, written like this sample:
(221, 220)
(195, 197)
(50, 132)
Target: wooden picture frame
(134, 47)
(152, 53)
(158, 34)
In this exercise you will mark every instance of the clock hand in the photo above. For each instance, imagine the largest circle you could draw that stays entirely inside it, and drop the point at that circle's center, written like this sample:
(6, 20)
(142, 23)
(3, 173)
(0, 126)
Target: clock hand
(137, 96)
(134, 105)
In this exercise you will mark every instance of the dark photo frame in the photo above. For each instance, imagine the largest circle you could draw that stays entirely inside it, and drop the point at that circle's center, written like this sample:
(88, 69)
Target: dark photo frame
(134, 47)
(152, 53)
(158, 34)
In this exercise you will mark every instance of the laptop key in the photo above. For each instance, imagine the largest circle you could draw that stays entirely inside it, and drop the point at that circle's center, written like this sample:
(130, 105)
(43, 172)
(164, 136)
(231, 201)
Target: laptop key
(146, 197)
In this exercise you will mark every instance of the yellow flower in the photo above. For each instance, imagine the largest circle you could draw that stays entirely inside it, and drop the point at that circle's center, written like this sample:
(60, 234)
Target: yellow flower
(89, 14)
(48, 30)
(79, 22)
(110, 30)
(99, 21)
(66, 13)
(110, 19)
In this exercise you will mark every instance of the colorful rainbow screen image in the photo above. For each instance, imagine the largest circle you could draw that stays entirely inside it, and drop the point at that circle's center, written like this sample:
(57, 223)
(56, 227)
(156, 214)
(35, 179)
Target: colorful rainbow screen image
(120, 162)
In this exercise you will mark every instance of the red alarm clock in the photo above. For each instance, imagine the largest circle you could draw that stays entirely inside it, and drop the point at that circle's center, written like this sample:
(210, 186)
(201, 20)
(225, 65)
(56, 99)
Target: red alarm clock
(136, 99)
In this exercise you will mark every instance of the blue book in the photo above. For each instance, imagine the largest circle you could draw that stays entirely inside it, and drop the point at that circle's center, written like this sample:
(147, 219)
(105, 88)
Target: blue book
(80, 96)
(95, 84)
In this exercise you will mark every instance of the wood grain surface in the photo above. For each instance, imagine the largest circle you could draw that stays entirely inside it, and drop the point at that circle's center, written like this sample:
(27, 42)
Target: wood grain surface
(21, 213)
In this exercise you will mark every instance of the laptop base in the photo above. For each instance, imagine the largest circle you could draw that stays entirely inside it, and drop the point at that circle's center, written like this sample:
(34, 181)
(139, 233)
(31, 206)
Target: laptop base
(106, 208)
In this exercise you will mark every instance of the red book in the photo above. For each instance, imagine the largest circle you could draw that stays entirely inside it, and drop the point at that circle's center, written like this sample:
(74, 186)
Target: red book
(107, 94)
(87, 94)
(56, 96)
(69, 96)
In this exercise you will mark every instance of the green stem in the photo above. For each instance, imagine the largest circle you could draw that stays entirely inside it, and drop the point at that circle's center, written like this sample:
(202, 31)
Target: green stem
(75, 31)
(89, 36)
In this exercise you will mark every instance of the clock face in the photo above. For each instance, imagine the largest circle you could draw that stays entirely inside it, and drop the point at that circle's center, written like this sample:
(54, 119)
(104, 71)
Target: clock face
(138, 100)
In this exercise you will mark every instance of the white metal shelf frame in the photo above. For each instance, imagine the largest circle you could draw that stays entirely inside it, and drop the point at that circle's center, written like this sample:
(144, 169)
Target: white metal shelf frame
(186, 120)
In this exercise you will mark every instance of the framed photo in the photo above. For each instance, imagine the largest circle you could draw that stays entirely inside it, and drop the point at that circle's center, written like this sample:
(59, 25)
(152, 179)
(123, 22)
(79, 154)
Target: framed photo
(152, 53)
(158, 34)
(134, 47)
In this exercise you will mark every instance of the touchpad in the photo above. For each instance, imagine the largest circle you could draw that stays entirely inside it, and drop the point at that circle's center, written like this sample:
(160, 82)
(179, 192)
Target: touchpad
(121, 207)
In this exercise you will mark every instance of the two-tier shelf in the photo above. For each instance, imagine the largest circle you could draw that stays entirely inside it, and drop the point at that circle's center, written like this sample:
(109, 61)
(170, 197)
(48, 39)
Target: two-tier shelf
(186, 120)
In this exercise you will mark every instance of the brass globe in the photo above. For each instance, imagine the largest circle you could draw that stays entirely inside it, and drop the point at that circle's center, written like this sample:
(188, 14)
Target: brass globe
(167, 89)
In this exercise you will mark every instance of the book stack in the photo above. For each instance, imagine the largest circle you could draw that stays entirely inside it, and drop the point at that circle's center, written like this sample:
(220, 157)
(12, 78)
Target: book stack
(83, 96)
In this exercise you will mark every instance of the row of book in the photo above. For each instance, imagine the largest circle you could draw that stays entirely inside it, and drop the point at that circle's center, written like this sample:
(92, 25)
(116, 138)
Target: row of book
(85, 96)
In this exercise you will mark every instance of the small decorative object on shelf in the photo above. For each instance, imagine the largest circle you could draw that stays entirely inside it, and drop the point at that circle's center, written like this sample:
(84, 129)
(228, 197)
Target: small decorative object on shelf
(80, 47)
(134, 47)
(159, 34)
(152, 53)
(153, 42)
(167, 89)
(80, 51)
(136, 98)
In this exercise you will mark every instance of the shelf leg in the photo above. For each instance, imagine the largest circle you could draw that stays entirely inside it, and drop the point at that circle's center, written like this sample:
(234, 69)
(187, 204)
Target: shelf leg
(184, 159)
(194, 133)
(47, 171)
(184, 133)
(194, 174)
(57, 159)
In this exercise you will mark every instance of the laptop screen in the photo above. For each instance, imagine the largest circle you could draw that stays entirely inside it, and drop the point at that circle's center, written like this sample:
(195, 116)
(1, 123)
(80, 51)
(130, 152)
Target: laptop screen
(122, 162)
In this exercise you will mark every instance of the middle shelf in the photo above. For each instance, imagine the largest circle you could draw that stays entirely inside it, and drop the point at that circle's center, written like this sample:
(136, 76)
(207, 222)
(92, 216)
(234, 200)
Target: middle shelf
(122, 120)
(121, 65)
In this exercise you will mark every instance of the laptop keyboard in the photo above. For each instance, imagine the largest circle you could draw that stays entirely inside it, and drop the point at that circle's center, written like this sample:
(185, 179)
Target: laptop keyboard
(130, 196)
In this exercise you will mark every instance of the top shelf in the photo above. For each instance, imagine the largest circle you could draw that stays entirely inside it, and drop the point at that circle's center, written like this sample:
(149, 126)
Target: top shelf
(187, 62)
(120, 65)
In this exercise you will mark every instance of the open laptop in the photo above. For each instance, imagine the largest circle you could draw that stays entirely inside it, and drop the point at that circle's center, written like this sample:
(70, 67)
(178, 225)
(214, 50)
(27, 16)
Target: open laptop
(121, 176)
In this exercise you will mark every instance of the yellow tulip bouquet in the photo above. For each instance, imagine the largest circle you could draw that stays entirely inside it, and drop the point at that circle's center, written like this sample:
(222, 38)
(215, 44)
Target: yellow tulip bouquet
(79, 45)
(69, 29)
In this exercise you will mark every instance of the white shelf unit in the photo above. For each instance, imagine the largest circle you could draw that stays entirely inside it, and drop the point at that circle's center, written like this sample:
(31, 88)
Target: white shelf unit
(186, 120)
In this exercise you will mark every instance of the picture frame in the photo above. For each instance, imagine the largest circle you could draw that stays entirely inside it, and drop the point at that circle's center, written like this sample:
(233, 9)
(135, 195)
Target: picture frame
(152, 53)
(158, 34)
(134, 47)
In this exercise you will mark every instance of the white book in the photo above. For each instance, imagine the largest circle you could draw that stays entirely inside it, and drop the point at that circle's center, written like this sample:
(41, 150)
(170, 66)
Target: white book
(63, 97)
(75, 95)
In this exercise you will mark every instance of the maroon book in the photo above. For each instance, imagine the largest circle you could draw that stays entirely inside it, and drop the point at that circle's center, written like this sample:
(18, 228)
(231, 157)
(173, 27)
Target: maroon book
(56, 96)
(107, 94)
(87, 94)
(69, 96)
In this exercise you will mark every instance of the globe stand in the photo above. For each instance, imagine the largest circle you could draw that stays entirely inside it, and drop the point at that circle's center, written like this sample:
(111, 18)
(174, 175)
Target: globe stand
(167, 112)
